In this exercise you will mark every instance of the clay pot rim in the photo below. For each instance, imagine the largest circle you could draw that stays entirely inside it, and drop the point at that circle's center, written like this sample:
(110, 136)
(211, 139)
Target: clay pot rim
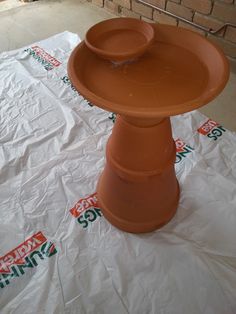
(143, 27)
(144, 112)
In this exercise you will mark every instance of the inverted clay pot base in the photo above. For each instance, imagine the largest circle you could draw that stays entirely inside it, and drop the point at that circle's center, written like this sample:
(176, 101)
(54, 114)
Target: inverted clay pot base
(136, 183)
(172, 71)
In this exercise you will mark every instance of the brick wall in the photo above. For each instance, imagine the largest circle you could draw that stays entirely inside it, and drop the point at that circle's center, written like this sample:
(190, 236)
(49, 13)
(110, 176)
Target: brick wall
(208, 13)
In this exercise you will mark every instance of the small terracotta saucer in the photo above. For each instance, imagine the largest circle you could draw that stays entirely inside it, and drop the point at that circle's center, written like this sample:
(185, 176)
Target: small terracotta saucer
(120, 39)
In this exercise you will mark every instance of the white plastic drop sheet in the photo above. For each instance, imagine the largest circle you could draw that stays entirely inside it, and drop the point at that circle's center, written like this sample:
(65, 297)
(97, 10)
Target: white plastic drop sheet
(57, 252)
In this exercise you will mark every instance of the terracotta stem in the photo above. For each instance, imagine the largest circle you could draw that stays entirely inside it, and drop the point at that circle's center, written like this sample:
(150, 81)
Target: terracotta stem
(139, 174)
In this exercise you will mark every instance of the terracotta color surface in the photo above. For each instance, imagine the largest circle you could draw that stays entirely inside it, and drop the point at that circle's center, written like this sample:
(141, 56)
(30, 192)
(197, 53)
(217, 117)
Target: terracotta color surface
(119, 40)
(138, 190)
(181, 71)
(192, 67)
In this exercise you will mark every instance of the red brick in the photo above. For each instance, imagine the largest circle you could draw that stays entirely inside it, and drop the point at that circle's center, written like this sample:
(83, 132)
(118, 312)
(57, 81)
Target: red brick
(224, 12)
(99, 3)
(192, 28)
(142, 9)
(230, 34)
(145, 19)
(164, 18)
(123, 3)
(111, 6)
(129, 13)
(202, 6)
(180, 10)
(208, 22)
(158, 3)
(227, 1)
(228, 47)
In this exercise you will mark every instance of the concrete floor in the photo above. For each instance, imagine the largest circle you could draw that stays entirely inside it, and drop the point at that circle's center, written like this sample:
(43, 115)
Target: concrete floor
(23, 24)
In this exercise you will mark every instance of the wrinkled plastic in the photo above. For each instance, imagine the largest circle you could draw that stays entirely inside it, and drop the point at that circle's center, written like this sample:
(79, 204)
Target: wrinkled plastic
(51, 155)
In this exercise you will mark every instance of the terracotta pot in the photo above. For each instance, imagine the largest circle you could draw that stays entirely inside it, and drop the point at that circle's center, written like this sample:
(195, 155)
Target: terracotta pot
(138, 190)
(177, 72)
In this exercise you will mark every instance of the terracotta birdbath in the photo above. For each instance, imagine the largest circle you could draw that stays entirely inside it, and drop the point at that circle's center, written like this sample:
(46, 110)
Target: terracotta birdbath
(145, 73)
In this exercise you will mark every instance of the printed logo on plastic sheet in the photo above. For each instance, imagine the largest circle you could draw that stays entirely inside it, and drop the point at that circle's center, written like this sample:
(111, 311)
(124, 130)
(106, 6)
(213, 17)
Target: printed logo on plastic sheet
(43, 57)
(65, 79)
(112, 117)
(86, 210)
(211, 129)
(26, 255)
(182, 150)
